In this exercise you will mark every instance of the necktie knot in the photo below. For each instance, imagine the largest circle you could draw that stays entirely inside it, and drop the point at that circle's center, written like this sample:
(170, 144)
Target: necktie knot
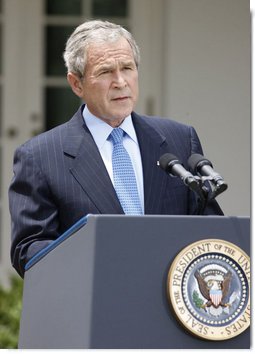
(116, 136)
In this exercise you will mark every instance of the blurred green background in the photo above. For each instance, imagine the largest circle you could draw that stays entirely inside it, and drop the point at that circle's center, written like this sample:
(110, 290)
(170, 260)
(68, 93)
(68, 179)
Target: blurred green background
(10, 311)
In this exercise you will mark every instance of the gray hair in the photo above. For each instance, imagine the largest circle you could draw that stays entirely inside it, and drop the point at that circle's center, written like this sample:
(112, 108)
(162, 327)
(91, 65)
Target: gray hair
(75, 54)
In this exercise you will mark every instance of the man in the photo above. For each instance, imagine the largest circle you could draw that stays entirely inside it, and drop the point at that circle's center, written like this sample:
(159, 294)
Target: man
(70, 171)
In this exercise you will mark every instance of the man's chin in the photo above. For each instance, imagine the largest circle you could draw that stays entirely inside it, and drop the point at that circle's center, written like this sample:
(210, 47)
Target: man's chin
(116, 119)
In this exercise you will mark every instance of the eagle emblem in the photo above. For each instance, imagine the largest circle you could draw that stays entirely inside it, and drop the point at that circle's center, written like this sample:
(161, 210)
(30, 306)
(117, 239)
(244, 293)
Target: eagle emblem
(214, 286)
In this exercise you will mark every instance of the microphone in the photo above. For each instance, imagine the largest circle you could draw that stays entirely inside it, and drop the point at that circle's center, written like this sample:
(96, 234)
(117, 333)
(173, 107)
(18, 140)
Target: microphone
(170, 164)
(203, 167)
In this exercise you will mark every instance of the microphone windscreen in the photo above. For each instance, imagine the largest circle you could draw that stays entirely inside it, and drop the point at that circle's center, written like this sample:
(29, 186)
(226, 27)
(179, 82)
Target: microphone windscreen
(196, 161)
(165, 160)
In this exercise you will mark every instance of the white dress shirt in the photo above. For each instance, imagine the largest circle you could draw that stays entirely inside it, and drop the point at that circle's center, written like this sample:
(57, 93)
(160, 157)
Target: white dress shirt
(100, 131)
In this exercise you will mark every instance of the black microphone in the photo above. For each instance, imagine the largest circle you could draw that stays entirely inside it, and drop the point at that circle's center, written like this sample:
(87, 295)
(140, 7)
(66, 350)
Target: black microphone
(170, 164)
(203, 167)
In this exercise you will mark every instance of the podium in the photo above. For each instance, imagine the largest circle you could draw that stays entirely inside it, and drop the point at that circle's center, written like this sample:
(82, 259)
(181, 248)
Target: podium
(103, 283)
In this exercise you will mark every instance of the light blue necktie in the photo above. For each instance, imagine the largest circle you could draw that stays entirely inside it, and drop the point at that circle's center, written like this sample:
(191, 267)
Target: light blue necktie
(124, 175)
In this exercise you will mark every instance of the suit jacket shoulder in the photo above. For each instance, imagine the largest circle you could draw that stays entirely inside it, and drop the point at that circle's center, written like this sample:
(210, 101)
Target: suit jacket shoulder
(181, 139)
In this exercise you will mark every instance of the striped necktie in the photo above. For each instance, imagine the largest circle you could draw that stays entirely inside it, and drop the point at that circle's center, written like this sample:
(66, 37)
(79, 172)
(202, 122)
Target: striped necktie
(123, 175)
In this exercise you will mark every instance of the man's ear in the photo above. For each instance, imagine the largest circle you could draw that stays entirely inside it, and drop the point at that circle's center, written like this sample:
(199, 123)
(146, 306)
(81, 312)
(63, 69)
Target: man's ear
(76, 84)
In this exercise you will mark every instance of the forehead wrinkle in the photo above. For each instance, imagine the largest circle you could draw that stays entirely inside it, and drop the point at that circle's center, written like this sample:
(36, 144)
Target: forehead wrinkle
(103, 52)
(107, 57)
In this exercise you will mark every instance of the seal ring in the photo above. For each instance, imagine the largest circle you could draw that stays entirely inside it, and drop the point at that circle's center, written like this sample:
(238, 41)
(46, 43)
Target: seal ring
(208, 287)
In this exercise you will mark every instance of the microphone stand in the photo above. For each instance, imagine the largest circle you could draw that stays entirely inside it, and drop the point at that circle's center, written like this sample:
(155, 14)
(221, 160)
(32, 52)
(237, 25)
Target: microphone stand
(202, 197)
(203, 192)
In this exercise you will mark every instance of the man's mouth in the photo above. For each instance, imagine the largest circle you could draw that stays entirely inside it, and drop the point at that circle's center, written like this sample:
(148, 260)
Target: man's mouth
(121, 98)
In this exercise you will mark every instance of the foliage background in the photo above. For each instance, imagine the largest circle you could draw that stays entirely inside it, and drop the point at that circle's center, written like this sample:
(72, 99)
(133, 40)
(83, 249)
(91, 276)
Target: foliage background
(10, 312)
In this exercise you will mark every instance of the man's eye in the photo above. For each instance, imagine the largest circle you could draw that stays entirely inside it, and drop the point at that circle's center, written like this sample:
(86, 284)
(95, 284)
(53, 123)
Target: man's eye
(104, 71)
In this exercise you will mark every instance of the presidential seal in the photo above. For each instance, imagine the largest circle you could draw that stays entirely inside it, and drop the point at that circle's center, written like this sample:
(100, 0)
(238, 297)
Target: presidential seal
(208, 288)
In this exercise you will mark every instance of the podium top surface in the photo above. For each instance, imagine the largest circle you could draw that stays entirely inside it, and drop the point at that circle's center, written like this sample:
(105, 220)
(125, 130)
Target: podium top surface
(128, 218)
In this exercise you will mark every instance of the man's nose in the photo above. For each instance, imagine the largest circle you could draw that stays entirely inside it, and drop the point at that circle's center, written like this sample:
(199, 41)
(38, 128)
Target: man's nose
(119, 80)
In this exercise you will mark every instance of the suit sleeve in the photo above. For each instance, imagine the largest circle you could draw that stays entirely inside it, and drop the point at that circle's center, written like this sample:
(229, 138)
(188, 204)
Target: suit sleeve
(32, 210)
(212, 207)
(196, 147)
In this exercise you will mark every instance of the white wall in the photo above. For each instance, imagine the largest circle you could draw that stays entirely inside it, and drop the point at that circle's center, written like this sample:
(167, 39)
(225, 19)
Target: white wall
(207, 51)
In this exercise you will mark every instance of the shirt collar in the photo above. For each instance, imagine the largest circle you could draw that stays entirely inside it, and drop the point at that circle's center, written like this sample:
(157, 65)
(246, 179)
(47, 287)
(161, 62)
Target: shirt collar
(100, 130)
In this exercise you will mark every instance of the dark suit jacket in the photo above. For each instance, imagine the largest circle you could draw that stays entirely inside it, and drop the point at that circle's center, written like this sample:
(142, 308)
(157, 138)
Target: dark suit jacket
(59, 177)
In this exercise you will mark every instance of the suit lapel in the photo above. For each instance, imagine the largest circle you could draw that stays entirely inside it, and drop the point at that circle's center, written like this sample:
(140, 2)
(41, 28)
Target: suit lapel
(89, 170)
(88, 167)
(152, 145)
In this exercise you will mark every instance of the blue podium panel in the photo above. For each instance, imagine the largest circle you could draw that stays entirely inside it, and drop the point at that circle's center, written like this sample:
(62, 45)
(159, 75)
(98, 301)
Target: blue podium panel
(105, 285)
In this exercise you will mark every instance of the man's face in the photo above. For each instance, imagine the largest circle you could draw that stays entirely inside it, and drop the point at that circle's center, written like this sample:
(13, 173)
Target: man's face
(110, 83)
